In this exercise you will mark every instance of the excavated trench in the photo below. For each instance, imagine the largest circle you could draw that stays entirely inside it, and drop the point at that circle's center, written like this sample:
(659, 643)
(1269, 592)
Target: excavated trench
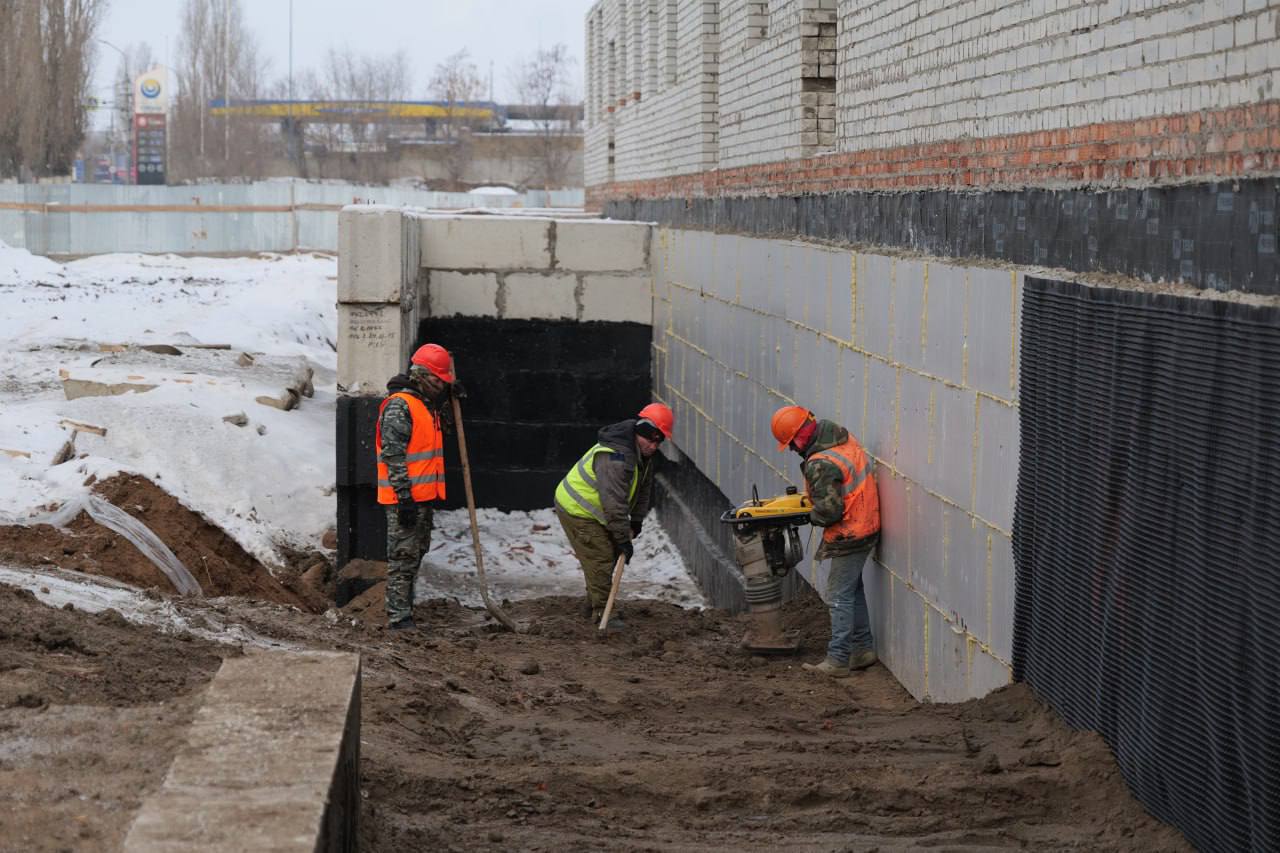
(665, 738)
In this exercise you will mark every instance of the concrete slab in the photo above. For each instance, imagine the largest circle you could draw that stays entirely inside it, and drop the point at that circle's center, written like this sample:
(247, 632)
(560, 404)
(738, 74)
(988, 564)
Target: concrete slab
(917, 450)
(895, 520)
(371, 255)
(906, 649)
(1000, 636)
(909, 311)
(873, 305)
(944, 323)
(466, 294)
(853, 370)
(486, 243)
(997, 462)
(927, 549)
(947, 675)
(271, 762)
(373, 346)
(882, 411)
(840, 317)
(991, 329)
(539, 296)
(964, 591)
(586, 245)
(952, 473)
(618, 298)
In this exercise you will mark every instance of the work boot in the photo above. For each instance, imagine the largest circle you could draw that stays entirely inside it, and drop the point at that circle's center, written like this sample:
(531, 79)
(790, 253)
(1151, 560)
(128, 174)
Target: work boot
(614, 625)
(829, 668)
(405, 624)
(862, 659)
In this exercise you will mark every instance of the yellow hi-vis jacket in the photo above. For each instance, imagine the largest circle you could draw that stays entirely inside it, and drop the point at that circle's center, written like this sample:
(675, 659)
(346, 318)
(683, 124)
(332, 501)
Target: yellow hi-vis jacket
(579, 492)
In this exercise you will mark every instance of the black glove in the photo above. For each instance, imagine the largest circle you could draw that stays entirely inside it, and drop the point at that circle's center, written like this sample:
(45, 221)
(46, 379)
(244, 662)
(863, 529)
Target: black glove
(407, 515)
(628, 550)
(635, 528)
(458, 390)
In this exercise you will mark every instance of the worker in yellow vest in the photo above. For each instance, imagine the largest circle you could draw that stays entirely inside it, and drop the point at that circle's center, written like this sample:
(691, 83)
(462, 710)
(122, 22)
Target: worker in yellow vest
(410, 447)
(846, 505)
(602, 501)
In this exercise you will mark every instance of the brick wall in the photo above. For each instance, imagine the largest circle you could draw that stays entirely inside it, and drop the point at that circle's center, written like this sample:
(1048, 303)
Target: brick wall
(943, 94)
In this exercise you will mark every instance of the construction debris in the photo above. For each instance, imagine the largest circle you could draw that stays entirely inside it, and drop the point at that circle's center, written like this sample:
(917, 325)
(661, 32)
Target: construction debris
(15, 454)
(77, 426)
(238, 419)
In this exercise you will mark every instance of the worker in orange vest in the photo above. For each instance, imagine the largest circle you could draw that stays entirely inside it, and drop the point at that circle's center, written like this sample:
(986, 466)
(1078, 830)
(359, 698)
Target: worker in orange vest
(838, 479)
(410, 447)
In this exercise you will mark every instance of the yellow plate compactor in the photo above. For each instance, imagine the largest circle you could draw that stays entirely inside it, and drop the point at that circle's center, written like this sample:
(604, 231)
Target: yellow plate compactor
(767, 546)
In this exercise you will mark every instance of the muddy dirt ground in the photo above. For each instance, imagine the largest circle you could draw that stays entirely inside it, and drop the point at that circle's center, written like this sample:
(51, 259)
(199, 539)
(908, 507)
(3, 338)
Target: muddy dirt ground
(666, 737)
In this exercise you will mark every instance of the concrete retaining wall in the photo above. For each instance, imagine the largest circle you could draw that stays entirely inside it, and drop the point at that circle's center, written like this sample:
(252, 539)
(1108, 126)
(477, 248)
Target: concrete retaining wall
(272, 762)
(919, 360)
(273, 216)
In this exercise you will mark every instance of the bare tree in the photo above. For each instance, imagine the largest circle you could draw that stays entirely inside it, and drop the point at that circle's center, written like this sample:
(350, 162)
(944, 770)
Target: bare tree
(358, 79)
(218, 58)
(457, 82)
(543, 86)
(45, 61)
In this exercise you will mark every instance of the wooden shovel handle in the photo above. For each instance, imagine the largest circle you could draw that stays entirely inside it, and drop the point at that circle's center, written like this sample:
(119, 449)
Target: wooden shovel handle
(613, 590)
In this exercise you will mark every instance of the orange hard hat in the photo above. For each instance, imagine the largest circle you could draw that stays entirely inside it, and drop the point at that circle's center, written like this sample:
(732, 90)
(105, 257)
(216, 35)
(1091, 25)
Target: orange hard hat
(786, 422)
(436, 359)
(659, 414)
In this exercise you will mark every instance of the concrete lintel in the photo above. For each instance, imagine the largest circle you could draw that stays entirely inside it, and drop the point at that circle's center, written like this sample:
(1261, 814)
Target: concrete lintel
(373, 249)
(271, 762)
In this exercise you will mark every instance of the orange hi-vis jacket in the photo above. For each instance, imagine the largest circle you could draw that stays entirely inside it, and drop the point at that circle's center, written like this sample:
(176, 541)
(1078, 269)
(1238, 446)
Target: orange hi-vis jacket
(858, 488)
(424, 457)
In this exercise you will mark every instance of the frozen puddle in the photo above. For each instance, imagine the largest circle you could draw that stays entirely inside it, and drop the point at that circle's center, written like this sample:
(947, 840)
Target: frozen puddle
(58, 587)
(526, 555)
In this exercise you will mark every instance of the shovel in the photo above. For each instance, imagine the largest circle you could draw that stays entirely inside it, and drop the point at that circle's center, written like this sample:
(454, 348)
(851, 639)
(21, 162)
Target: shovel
(496, 611)
(613, 590)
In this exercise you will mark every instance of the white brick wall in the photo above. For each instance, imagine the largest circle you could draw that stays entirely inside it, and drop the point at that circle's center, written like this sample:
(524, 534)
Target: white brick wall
(908, 72)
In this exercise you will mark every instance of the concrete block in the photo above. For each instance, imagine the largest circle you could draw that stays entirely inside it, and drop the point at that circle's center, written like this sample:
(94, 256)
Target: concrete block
(873, 304)
(997, 462)
(951, 474)
(588, 245)
(1002, 592)
(964, 588)
(916, 412)
(895, 521)
(944, 323)
(486, 243)
(371, 256)
(926, 548)
(909, 311)
(882, 411)
(854, 367)
(250, 776)
(468, 294)
(373, 346)
(991, 330)
(905, 655)
(877, 583)
(947, 673)
(539, 296)
(987, 674)
(617, 298)
(840, 316)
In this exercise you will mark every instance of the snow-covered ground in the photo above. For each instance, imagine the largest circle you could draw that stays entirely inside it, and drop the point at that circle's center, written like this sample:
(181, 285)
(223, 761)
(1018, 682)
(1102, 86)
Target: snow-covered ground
(267, 483)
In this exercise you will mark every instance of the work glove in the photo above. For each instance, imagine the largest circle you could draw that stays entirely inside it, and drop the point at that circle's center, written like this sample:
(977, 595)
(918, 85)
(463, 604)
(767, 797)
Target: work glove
(458, 390)
(407, 515)
(635, 528)
(628, 550)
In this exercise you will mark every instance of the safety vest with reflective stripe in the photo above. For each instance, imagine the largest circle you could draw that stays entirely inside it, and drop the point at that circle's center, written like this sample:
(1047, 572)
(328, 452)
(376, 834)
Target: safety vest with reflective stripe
(579, 492)
(858, 488)
(424, 457)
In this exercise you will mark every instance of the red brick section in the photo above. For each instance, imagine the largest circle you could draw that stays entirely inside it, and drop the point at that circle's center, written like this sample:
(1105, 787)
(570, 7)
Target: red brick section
(1227, 143)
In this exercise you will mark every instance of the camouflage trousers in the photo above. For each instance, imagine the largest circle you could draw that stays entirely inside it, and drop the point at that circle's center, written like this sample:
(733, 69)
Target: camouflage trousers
(594, 549)
(405, 549)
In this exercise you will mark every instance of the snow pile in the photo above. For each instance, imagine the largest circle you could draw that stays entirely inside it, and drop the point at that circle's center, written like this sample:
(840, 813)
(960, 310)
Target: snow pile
(266, 478)
(527, 555)
(266, 483)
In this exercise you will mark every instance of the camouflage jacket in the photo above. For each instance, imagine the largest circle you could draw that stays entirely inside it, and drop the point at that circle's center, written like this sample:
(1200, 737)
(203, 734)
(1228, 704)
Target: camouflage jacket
(397, 428)
(823, 480)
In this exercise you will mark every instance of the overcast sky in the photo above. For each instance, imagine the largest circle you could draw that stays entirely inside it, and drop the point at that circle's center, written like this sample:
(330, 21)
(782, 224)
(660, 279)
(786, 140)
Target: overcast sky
(497, 31)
